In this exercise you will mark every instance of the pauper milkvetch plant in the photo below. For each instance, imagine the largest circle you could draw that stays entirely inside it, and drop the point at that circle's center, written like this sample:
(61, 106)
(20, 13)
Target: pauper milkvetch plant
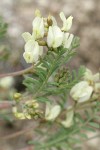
(66, 103)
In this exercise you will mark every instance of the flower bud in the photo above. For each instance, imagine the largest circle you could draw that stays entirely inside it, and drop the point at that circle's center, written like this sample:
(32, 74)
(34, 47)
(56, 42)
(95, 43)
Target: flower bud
(32, 104)
(49, 20)
(37, 13)
(17, 96)
(42, 43)
(17, 114)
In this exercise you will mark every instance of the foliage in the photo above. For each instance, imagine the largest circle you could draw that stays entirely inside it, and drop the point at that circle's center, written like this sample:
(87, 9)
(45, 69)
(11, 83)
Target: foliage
(48, 84)
(3, 49)
(3, 28)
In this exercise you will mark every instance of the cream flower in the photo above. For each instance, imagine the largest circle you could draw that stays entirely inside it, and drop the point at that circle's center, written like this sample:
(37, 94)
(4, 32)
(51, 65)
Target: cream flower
(37, 13)
(17, 114)
(6, 82)
(54, 21)
(97, 88)
(38, 28)
(32, 104)
(96, 77)
(67, 23)
(27, 36)
(69, 118)
(32, 51)
(81, 91)
(55, 37)
(67, 40)
(88, 76)
(51, 112)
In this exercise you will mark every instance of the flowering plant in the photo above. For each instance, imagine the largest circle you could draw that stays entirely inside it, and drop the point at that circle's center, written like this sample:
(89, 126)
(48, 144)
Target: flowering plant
(49, 81)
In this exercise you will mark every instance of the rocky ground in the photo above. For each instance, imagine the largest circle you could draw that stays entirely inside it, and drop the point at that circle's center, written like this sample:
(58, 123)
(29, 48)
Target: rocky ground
(19, 15)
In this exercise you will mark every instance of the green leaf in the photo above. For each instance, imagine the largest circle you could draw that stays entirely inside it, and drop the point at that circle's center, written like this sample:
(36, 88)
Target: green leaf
(88, 129)
(83, 135)
(75, 42)
(3, 27)
(78, 116)
(94, 124)
(43, 99)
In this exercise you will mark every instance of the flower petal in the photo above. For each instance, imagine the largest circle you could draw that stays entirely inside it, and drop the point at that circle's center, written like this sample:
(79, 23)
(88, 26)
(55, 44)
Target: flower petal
(67, 23)
(68, 38)
(27, 36)
(38, 27)
(81, 91)
(52, 112)
(69, 119)
(55, 37)
(32, 51)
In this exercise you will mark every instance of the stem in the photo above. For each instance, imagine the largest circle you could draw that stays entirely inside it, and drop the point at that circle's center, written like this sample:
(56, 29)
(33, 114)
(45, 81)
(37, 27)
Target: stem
(83, 105)
(18, 133)
(18, 73)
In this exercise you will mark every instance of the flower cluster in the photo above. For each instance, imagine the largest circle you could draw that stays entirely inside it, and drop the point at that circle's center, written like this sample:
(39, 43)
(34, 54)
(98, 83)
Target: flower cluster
(46, 27)
(29, 110)
(87, 89)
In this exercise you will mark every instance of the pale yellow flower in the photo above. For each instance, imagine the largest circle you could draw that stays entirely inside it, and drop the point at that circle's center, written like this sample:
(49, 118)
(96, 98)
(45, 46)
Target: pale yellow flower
(81, 91)
(67, 23)
(55, 37)
(97, 87)
(32, 51)
(38, 28)
(27, 36)
(52, 112)
(67, 40)
(37, 13)
(69, 118)
(17, 114)
(90, 77)
(6, 82)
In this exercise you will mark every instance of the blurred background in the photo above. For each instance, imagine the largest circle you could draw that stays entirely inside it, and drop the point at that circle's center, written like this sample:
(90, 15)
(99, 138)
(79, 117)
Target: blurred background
(19, 14)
